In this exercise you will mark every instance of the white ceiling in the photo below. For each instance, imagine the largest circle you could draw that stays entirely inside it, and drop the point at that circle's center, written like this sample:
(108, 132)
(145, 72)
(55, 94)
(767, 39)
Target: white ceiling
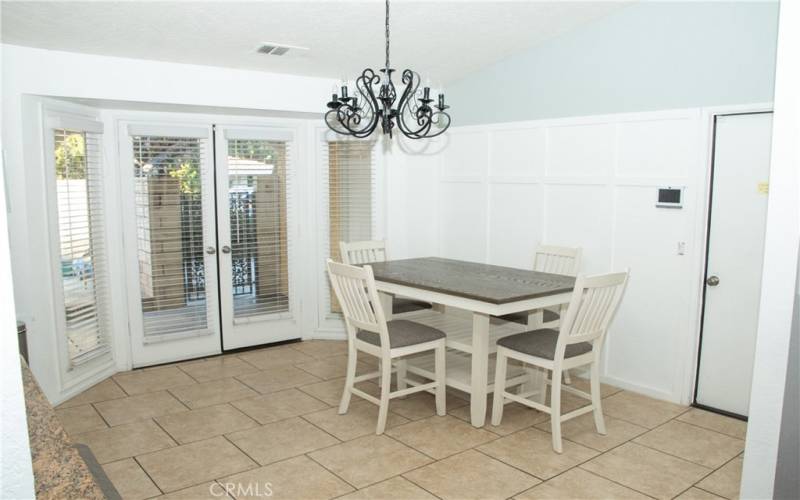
(442, 40)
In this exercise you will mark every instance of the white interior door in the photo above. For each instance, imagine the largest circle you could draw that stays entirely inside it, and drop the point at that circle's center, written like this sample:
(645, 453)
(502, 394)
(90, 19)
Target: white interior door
(256, 226)
(735, 255)
(170, 242)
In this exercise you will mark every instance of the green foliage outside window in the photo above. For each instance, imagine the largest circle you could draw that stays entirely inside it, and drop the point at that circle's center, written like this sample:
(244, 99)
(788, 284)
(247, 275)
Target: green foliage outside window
(71, 156)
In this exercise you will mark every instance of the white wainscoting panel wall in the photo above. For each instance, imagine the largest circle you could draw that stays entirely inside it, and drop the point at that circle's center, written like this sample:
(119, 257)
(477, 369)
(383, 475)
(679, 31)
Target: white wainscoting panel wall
(497, 191)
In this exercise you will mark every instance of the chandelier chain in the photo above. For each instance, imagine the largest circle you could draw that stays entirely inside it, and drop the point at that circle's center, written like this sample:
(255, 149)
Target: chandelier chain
(387, 34)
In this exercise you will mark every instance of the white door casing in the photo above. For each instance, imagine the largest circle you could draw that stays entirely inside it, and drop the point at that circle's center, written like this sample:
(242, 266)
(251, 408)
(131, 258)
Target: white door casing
(735, 255)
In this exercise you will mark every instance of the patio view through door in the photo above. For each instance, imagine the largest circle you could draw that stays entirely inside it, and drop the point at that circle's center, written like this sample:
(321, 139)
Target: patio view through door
(210, 268)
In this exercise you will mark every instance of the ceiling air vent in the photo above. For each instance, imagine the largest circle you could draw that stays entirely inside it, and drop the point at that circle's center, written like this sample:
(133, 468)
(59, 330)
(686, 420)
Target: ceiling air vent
(277, 49)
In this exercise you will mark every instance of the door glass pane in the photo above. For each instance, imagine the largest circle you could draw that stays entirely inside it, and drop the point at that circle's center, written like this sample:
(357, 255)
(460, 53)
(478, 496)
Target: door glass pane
(169, 223)
(257, 187)
(84, 275)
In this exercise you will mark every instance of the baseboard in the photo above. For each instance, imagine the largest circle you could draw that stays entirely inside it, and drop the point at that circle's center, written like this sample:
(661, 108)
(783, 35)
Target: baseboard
(641, 389)
(84, 383)
(326, 335)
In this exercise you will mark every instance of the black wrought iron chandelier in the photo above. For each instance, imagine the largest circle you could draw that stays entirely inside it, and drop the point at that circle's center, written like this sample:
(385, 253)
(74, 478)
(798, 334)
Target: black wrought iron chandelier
(373, 102)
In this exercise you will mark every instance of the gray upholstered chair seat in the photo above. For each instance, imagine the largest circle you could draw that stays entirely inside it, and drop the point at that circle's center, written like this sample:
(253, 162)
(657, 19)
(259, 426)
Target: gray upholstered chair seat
(542, 344)
(522, 317)
(403, 333)
(402, 305)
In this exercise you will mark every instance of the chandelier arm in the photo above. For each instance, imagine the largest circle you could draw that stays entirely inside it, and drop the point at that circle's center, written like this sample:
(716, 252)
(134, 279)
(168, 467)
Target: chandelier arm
(347, 119)
(404, 105)
(424, 116)
(364, 85)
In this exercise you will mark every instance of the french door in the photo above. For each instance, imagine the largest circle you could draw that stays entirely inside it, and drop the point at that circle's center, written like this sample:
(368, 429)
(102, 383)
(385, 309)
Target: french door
(208, 228)
(255, 230)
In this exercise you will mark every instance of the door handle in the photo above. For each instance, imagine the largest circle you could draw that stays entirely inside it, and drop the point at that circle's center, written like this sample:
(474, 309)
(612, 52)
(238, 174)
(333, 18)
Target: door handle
(712, 281)
(226, 249)
(211, 250)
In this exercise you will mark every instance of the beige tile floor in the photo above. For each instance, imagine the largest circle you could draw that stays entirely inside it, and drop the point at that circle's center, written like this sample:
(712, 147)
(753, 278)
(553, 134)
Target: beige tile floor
(264, 423)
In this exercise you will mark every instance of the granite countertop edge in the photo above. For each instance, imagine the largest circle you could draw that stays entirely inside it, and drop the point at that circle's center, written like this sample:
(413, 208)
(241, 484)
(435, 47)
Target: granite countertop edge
(58, 469)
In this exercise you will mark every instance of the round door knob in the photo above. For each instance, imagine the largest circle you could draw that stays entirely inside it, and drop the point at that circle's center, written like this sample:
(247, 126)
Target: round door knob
(712, 281)
(211, 250)
(226, 249)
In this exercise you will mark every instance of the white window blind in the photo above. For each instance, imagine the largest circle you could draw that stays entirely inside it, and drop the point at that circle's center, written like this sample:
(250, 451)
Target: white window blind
(83, 252)
(349, 182)
(168, 174)
(258, 194)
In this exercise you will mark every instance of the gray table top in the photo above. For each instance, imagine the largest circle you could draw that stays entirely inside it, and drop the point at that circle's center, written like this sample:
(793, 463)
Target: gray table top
(471, 280)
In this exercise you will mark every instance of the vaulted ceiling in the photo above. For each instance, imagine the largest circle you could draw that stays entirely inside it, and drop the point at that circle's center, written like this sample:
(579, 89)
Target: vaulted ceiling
(445, 40)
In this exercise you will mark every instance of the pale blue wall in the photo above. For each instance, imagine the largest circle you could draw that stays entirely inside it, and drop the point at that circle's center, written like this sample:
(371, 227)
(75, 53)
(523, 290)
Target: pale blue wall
(644, 57)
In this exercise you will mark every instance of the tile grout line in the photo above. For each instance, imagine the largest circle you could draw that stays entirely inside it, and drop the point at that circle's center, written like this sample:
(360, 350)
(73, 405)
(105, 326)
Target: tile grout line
(345, 481)
(304, 419)
(100, 414)
(167, 433)
(682, 458)
(541, 480)
(258, 464)
(676, 419)
(600, 454)
(710, 473)
(621, 484)
(615, 482)
(181, 401)
(397, 440)
(138, 464)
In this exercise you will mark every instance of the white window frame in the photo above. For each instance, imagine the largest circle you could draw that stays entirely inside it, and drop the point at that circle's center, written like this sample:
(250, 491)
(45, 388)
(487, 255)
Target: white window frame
(68, 380)
(330, 325)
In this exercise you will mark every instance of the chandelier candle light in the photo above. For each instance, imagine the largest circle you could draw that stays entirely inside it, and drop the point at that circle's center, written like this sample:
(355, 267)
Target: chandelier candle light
(359, 115)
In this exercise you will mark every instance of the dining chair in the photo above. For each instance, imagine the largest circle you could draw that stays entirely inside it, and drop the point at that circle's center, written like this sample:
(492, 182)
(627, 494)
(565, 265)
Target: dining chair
(555, 260)
(369, 332)
(578, 342)
(365, 252)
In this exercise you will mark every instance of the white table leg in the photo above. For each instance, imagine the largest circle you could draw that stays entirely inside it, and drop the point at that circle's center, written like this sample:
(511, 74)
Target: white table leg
(535, 320)
(386, 303)
(480, 365)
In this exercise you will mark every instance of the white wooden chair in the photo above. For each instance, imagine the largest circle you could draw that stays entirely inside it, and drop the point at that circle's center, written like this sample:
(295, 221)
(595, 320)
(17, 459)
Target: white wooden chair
(556, 260)
(365, 252)
(578, 342)
(369, 332)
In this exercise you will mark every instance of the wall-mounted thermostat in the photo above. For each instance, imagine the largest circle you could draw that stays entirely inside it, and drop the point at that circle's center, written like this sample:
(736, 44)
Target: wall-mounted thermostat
(670, 197)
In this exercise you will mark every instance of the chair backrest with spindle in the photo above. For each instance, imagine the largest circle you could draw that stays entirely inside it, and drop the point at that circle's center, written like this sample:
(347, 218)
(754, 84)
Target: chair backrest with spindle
(594, 303)
(557, 260)
(362, 252)
(361, 306)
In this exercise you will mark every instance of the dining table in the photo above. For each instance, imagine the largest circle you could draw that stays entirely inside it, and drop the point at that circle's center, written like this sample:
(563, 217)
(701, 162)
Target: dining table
(479, 290)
